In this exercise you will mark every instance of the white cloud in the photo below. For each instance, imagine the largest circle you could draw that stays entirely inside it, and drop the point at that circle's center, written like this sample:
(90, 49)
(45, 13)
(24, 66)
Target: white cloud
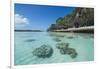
(20, 21)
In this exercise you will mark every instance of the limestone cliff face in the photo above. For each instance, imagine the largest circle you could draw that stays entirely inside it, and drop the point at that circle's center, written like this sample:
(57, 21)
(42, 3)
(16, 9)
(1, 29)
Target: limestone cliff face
(78, 18)
(84, 17)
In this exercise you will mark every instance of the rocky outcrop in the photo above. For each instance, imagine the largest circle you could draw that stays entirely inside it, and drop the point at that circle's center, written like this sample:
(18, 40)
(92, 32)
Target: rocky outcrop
(56, 39)
(72, 52)
(62, 46)
(43, 51)
(64, 49)
(70, 37)
(30, 40)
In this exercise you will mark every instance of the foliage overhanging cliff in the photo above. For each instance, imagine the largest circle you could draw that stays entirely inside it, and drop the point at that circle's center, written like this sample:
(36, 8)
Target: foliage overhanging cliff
(78, 18)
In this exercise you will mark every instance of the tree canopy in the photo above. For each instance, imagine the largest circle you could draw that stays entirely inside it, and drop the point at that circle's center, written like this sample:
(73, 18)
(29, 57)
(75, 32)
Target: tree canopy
(78, 18)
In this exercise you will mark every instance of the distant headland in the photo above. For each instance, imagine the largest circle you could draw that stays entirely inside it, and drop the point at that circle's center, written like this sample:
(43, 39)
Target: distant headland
(28, 31)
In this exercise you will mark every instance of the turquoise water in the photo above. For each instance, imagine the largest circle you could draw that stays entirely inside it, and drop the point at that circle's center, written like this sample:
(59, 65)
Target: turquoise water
(26, 42)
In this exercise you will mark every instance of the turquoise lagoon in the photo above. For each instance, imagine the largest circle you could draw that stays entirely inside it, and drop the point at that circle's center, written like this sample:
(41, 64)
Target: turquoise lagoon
(26, 42)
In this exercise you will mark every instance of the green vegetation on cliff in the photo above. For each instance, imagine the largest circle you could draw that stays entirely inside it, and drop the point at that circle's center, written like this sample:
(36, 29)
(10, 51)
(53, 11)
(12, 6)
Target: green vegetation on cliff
(80, 17)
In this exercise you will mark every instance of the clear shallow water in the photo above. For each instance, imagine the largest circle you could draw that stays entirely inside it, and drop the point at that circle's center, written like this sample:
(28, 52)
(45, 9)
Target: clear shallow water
(26, 42)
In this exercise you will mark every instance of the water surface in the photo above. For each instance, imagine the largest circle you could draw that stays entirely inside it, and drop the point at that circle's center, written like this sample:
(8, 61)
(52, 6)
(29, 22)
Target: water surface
(26, 42)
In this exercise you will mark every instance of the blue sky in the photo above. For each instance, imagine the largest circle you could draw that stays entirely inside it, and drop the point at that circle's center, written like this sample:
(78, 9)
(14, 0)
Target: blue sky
(30, 16)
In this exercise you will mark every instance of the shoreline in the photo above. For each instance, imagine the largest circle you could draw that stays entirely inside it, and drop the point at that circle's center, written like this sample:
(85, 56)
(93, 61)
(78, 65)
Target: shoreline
(88, 29)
